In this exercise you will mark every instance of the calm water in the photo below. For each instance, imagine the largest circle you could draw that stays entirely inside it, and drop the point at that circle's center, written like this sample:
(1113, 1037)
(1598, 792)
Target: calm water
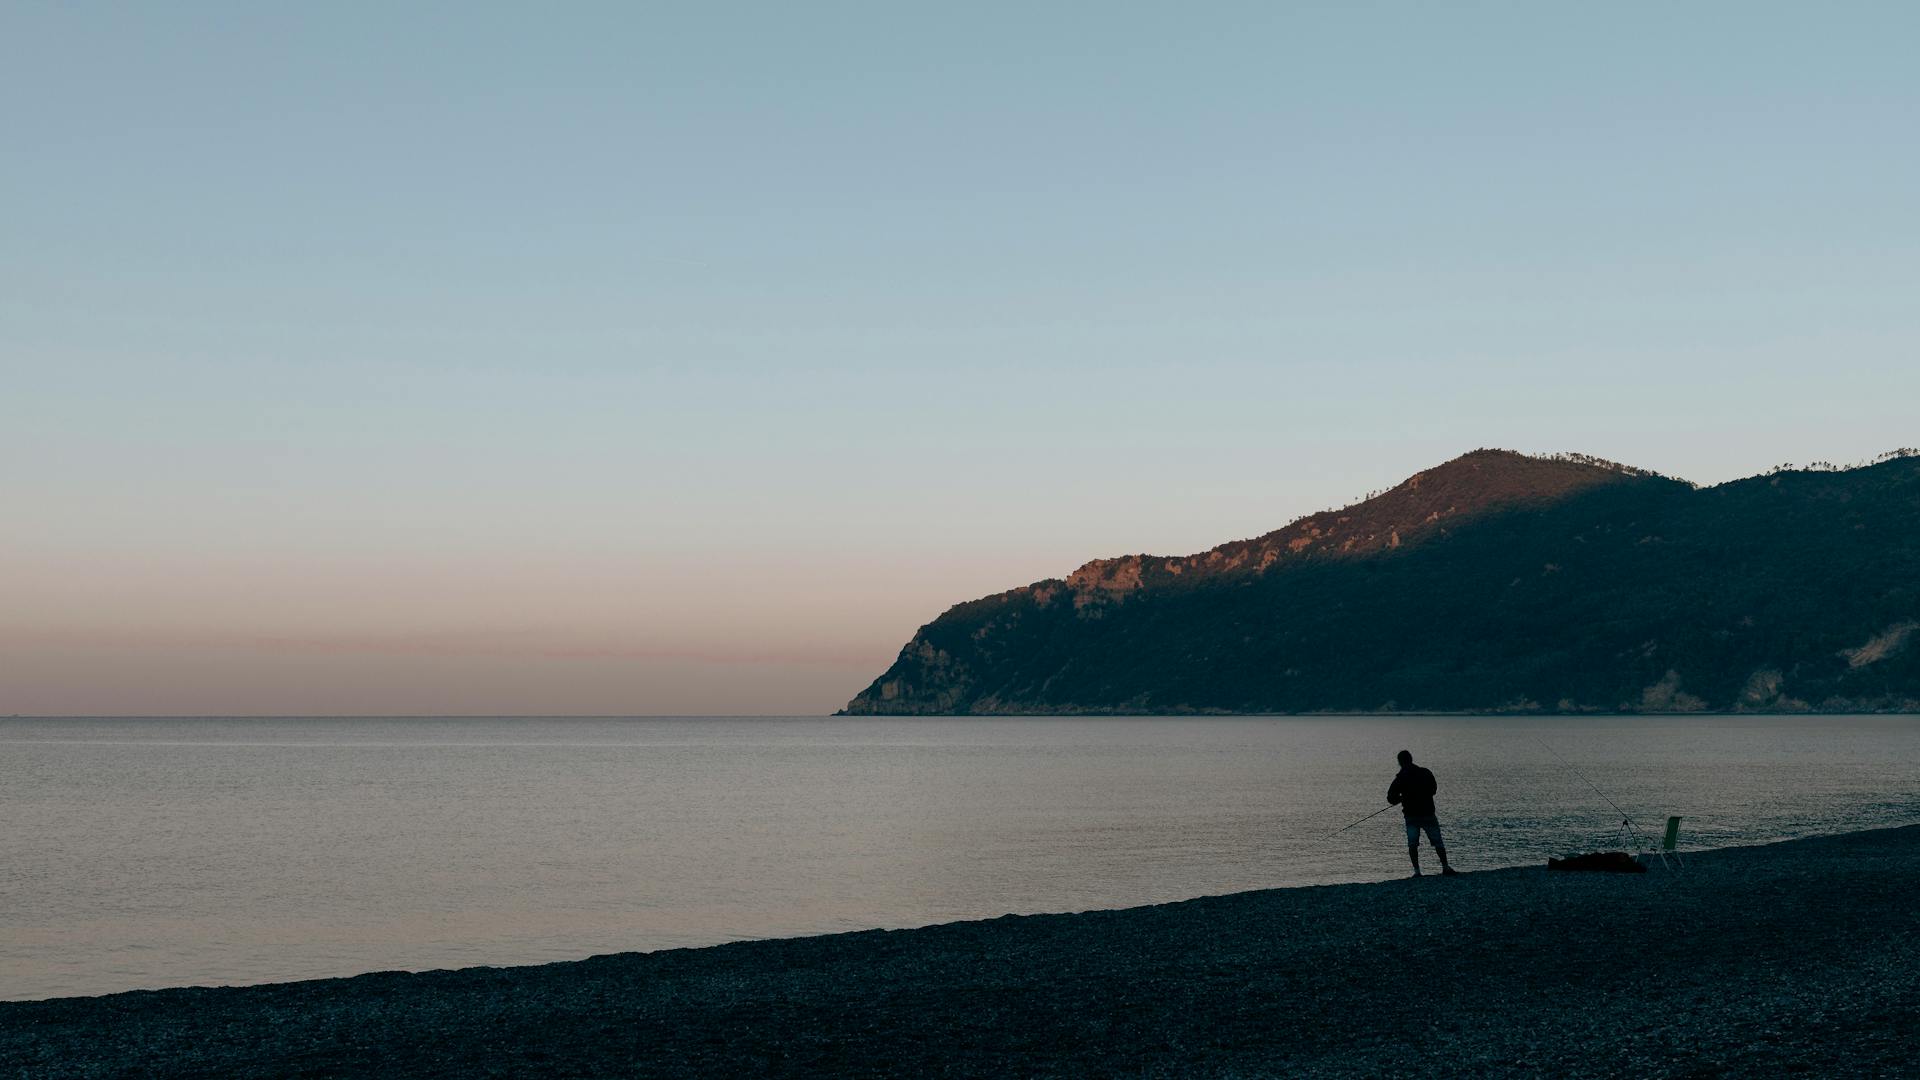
(165, 852)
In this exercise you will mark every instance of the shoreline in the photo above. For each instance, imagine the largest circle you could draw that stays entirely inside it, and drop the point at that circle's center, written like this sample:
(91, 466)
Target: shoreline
(842, 714)
(1796, 955)
(1206, 714)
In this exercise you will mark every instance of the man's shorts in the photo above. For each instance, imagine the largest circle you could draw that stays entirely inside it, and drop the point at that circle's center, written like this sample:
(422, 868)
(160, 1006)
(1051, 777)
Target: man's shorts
(1431, 824)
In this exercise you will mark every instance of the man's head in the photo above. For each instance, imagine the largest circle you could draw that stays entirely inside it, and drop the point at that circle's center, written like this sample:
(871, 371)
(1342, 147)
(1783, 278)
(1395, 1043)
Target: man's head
(1406, 758)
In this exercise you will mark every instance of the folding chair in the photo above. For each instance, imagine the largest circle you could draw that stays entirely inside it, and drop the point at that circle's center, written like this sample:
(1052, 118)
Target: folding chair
(1670, 844)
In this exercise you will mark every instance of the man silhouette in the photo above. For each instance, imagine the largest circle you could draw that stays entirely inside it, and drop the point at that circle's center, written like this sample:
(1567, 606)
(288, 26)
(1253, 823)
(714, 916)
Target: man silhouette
(1413, 791)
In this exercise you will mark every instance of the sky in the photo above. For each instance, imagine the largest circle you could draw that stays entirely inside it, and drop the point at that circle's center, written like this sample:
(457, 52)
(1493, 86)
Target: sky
(683, 359)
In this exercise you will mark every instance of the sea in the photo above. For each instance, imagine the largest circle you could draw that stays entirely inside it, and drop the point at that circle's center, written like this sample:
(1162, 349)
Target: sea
(156, 852)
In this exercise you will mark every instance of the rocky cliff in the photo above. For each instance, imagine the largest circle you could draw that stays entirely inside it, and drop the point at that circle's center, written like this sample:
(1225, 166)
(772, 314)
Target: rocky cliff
(1496, 581)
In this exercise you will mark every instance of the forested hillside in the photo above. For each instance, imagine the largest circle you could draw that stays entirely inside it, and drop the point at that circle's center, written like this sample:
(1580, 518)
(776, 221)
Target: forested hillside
(1496, 581)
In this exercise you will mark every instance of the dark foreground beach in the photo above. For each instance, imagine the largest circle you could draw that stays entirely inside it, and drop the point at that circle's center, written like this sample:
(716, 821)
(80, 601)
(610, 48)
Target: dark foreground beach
(1795, 957)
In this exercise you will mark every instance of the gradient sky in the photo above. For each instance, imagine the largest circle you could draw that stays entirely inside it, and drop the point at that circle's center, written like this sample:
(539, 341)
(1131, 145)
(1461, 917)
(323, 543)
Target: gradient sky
(638, 358)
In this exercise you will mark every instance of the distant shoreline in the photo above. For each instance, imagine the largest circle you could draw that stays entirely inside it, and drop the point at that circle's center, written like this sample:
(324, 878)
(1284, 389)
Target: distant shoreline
(1091, 713)
(844, 715)
(1797, 955)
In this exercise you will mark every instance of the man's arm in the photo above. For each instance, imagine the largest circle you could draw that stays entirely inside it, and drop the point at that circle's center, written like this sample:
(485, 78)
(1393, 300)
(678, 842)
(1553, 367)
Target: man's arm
(1393, 792)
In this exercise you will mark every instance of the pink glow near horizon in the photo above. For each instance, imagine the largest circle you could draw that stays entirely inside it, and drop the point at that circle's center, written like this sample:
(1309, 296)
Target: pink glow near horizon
(180, 635)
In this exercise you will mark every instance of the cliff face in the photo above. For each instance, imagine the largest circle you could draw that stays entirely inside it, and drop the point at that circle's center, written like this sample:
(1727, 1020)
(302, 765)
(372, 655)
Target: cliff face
(1494, 581)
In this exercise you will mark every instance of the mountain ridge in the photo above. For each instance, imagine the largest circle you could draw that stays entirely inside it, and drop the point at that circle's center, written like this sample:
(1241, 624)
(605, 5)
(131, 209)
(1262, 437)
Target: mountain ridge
(1251, 625)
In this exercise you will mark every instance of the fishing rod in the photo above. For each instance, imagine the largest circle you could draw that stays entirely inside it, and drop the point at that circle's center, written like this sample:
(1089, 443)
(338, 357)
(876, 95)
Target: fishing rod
(1626, 819)
(1369, 817)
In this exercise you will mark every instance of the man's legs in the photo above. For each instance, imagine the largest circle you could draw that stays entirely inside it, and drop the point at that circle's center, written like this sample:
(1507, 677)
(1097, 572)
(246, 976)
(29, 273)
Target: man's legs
(1432, 825)
(1413, 845)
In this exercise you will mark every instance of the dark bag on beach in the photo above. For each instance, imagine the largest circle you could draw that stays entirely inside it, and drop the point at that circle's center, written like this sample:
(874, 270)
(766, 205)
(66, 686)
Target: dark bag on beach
(1612, 862)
